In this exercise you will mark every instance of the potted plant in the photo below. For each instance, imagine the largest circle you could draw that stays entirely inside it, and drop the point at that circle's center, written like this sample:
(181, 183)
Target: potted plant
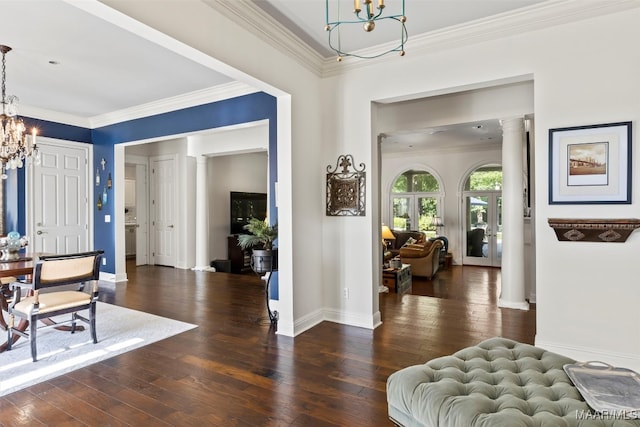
(261, 241)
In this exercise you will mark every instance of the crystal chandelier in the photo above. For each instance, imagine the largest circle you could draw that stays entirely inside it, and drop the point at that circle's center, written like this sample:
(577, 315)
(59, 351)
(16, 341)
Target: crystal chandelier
(367, 18)
(15, 145)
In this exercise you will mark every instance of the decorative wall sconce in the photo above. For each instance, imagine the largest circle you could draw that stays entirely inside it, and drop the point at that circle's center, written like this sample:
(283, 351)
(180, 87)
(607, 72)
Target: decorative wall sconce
(346, 188)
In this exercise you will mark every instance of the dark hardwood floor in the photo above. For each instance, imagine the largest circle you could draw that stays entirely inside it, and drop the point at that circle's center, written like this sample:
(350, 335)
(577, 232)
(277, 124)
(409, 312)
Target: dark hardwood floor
(233, 370)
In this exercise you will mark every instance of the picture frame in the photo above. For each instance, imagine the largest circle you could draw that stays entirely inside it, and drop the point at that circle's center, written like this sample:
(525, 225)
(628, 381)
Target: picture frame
(590, 164)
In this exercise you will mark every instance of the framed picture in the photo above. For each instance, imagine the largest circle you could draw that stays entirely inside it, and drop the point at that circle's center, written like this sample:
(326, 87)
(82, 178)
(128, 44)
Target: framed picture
(590, 164)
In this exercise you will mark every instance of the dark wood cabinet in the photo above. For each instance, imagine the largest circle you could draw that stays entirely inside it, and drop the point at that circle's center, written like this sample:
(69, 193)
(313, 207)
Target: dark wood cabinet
(240, 259)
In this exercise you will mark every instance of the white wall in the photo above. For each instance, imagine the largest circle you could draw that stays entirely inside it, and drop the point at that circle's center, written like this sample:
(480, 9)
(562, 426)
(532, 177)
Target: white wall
(584, 73)
(451, 167)
(586, 292)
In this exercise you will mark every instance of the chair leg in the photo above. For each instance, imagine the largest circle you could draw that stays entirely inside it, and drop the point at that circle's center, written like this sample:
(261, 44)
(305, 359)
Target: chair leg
(9, 329)
(33, 327)
(73, 323)
(92, 322)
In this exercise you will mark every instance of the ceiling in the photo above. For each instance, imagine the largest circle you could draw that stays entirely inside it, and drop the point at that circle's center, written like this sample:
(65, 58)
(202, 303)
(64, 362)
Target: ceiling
(67, 59)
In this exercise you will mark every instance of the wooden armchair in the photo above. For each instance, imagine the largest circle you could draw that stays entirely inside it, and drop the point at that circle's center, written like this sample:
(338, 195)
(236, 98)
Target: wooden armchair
(40, 301)
(424, 258)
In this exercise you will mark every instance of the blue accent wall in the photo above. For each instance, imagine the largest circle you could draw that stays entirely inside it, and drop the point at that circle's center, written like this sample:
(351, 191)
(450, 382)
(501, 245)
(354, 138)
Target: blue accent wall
(15, 210)
(242, 109)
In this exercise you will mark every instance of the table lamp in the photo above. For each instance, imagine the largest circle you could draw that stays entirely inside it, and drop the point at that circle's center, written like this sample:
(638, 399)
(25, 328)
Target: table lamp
(387, 235)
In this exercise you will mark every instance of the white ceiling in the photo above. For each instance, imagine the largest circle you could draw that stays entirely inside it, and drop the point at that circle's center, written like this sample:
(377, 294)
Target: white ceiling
(99, 68)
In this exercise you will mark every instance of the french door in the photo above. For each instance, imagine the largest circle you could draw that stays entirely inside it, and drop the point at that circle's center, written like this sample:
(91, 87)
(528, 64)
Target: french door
(414, 212)
(483, 229)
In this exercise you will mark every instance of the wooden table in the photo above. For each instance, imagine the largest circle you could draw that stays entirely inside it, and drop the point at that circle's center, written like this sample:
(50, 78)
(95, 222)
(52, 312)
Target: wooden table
(22, 267)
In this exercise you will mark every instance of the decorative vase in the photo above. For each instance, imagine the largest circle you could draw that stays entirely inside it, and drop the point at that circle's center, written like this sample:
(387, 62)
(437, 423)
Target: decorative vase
(262, 260)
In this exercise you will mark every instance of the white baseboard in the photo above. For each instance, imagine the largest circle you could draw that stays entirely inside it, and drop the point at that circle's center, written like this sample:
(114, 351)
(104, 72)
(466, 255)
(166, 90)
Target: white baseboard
(518, 305)
(587, 354)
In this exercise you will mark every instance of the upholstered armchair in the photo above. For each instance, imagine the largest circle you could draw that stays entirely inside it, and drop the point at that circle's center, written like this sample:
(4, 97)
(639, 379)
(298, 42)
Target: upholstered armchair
(423, 257)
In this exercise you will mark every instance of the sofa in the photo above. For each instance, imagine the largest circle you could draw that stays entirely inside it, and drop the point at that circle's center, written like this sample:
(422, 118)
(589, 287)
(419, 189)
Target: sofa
(401, 238)
(424, 257)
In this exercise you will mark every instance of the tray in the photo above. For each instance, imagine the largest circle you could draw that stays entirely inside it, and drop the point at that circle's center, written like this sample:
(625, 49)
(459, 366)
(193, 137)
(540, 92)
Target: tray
(606, 388)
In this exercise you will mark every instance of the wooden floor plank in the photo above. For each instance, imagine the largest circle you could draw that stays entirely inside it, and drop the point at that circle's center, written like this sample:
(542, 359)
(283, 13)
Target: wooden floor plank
(233, 370)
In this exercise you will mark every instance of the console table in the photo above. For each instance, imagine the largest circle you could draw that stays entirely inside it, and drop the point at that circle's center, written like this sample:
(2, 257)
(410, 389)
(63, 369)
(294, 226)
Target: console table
(398, 280)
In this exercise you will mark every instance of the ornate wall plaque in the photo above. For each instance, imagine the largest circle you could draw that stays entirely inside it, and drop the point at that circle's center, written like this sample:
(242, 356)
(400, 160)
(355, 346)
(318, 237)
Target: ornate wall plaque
(346, 188)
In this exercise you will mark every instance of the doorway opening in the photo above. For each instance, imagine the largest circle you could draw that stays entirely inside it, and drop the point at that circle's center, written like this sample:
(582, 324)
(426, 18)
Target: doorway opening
(482, 211)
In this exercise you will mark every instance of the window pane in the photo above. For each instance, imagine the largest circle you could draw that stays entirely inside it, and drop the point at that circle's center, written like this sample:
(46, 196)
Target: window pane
(485, 179)
(401, 213)
(413, 181)
(427, 210)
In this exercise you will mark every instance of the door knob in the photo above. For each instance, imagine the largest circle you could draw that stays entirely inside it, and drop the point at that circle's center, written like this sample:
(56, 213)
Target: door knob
(171, 226)
(41, 232)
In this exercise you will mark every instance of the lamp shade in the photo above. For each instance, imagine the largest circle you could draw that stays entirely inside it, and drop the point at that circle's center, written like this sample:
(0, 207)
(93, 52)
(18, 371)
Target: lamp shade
(437, 222)
(387, 234)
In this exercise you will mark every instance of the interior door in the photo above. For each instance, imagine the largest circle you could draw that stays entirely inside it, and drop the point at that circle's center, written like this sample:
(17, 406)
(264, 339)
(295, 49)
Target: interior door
(163, 210)
(483, 222)
(59, 213)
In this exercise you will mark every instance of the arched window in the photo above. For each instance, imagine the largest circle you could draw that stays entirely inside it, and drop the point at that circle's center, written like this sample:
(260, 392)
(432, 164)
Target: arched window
(486, 178)
(415, 201)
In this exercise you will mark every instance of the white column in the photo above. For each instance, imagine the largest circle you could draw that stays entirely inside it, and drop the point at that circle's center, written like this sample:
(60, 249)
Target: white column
(512, 293)
(202, 216)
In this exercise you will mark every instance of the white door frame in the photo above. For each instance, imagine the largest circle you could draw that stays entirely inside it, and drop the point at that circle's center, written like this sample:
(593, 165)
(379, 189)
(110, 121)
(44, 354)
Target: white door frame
(29, 187)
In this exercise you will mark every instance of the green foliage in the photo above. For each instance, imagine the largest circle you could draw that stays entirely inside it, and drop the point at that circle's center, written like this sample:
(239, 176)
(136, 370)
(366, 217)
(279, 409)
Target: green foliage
(415, 182)
(262, 235)
(485, 180)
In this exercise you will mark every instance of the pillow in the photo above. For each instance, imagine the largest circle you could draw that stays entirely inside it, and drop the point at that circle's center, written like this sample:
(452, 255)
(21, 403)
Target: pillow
(410, 241)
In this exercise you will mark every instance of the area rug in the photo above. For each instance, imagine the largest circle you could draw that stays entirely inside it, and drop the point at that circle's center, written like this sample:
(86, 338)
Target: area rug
(119, 330)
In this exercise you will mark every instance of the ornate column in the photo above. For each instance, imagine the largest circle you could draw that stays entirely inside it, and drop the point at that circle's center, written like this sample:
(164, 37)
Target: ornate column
(202, 216)
(512, 293)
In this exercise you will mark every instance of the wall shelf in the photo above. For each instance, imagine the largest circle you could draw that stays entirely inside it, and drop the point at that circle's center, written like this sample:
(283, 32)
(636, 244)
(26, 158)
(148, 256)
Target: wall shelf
(593, 230)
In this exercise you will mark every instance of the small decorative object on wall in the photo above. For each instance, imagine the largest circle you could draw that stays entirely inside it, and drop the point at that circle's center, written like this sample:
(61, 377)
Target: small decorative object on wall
(99, 203)
(103, 162)
(109, 182)
(590, 164)
(104, 196)
(346, 188)
(97, 177)
(593, 230)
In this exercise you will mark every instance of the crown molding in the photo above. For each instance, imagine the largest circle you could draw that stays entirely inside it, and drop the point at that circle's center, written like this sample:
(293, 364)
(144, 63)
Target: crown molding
(542, 15)
(54, 116)
(253, 19)
(192, 99)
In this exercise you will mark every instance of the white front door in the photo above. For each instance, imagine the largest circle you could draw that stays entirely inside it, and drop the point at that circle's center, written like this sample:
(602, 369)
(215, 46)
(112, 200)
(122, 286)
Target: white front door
(58, 212)
(163, 210)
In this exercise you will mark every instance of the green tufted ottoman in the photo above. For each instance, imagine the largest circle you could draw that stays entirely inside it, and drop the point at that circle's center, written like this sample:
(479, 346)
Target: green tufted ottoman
(497, 383)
